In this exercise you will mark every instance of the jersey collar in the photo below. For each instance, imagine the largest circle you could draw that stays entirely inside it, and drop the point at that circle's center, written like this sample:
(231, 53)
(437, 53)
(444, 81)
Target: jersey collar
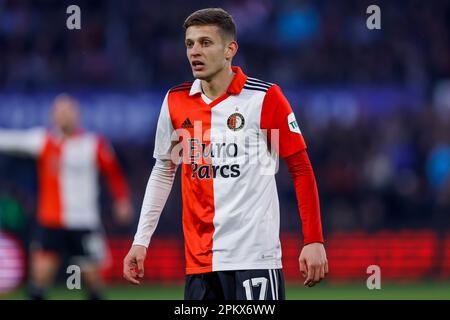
(235, 86)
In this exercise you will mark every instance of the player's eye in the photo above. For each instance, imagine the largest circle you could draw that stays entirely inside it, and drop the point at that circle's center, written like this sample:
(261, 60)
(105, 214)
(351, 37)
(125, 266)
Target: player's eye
(206, 43)
(189, 44)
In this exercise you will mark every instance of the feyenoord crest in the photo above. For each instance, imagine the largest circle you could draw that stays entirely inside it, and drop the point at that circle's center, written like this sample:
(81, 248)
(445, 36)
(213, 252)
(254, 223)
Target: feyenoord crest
(236, 121)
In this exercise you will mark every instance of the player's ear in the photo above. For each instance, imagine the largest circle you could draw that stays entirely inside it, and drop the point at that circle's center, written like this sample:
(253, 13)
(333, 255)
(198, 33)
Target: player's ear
(231, 49)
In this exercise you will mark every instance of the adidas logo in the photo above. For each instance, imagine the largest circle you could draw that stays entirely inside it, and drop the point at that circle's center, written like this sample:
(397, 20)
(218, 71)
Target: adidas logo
(187, 124)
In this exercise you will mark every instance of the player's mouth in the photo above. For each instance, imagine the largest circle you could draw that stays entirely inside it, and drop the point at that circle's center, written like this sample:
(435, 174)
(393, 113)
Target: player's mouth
(197, 65)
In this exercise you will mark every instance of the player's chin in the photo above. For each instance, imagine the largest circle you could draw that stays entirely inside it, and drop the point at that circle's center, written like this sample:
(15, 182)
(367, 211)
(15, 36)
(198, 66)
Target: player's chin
(200, 74)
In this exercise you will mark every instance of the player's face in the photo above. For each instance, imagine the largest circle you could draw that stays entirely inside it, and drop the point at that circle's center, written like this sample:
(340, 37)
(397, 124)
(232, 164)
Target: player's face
(207, 51)
(65, 114)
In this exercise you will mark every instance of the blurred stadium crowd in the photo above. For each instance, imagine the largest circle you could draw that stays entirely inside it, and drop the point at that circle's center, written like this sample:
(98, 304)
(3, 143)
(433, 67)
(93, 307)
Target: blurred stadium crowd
(293, 42)
(373, 173)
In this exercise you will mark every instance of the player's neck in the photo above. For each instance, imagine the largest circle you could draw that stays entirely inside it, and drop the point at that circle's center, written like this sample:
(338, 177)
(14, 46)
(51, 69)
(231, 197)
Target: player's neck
(218, 85)
(66, 133)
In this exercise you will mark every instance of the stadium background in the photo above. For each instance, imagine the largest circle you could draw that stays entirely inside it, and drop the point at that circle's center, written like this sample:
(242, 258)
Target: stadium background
(373, 105)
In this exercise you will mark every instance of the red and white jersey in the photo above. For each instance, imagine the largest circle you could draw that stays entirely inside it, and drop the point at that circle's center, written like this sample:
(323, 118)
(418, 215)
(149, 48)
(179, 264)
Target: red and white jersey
(68, 174)
(231, 216)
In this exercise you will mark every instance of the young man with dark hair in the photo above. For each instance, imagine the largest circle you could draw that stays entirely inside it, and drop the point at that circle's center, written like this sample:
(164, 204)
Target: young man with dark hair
(225, 124)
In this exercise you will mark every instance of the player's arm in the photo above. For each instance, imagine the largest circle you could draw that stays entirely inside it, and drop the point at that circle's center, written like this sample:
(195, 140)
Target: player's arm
(313, 261)
(29, 142)
(157, 191)
(284, 136)
(118, 186)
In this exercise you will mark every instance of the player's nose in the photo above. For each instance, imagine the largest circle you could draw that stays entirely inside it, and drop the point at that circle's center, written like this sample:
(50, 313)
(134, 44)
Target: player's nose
(195, 50)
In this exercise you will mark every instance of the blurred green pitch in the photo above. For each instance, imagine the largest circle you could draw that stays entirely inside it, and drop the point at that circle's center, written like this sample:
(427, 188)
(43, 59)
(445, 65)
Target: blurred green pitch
(324, 291)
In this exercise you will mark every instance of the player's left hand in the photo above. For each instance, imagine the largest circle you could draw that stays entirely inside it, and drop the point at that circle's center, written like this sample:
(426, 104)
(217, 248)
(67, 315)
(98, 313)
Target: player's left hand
(313, 263)
(123, 212)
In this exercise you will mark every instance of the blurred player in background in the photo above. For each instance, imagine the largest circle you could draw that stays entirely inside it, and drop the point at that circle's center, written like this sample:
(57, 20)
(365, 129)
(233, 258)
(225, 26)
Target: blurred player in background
(69, 222)
(230, 207)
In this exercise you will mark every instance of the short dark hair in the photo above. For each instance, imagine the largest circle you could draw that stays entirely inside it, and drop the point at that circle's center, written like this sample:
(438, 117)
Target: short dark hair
(212, 16)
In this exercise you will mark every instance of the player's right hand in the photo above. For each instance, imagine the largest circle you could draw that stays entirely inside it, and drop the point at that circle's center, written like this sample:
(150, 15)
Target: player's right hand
(134, 260)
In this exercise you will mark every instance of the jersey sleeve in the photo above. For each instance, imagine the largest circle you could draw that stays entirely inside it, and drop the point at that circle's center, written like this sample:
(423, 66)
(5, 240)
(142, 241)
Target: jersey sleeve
(278, 120)
(158, 189)
(164, 133)
(109, 166)
(307, 196)
(30, 141)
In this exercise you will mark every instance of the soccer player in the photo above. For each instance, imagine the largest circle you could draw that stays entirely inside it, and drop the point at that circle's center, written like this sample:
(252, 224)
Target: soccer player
(69, 223)
(230, 203)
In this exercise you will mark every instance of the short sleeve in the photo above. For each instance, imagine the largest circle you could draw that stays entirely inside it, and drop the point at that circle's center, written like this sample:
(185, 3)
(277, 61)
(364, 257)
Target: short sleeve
(164, 133)
(279, 120)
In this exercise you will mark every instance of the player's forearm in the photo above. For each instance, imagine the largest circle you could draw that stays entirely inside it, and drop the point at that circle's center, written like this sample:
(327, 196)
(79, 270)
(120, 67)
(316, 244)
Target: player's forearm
(10, 140)
(21, 141)
(158, 189)
(118, 184)
(110, 168)
(307, 196)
